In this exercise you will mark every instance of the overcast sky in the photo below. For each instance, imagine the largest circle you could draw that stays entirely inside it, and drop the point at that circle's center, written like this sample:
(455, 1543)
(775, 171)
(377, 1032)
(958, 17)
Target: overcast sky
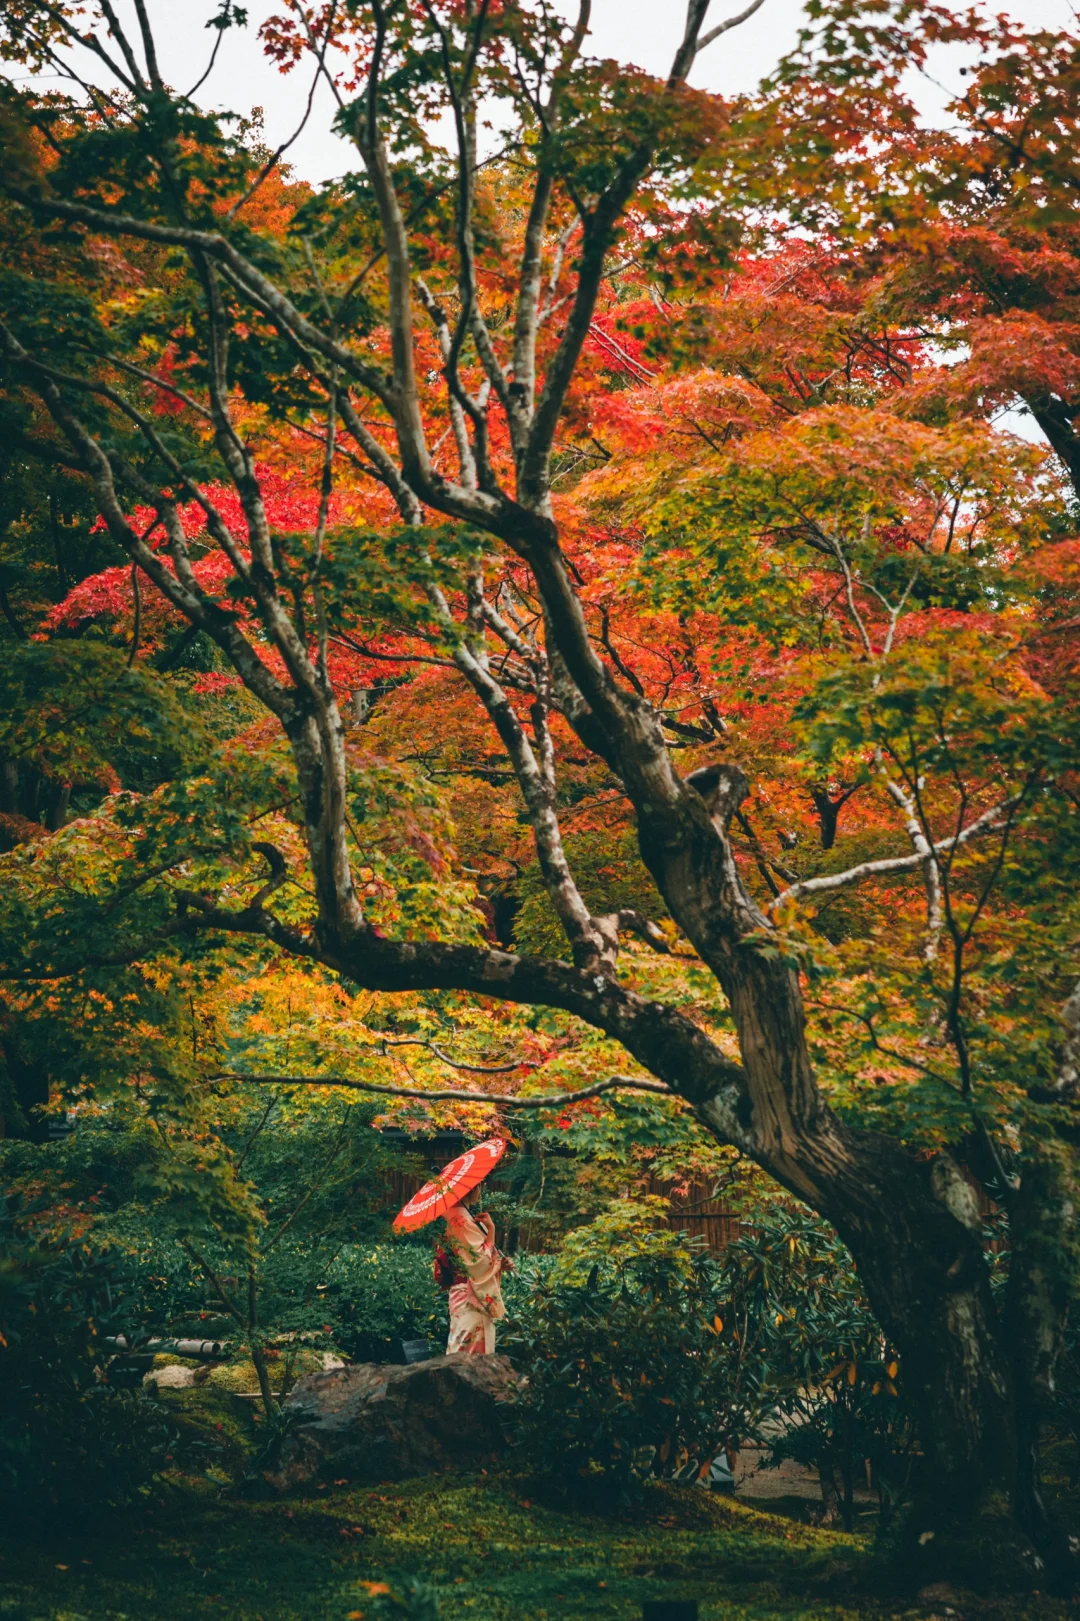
(642, 32)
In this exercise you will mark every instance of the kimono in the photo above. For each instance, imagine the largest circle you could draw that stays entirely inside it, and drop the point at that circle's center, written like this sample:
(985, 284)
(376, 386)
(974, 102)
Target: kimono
(470, 1268)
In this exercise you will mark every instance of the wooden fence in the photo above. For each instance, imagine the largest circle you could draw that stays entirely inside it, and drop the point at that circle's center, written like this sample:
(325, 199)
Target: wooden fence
(696, 1213)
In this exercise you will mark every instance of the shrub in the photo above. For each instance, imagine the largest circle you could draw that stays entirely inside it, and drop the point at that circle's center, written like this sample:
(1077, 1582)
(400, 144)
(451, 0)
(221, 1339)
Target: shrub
(835, 1378)
(66, 1438)
(402, 1598)
(377, 1295)
(631, 1374)
(640, 1350)
(1065, 1417)
(625, 1232)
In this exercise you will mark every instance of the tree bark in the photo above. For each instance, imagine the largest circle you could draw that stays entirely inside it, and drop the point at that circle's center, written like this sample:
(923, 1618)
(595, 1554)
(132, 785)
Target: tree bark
(1042, 1282)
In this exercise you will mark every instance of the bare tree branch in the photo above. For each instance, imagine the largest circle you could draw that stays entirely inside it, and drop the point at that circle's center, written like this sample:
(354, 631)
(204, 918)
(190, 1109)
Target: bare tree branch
(732, 22)
(935, 920)
(388, 1042)
(276, 156)
(449, 1095)
(989, 822)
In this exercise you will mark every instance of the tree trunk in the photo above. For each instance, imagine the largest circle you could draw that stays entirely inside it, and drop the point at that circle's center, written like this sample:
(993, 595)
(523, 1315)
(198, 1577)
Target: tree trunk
(830, 1497)
(914, 1230)
(1042, 1281)
(29, 1080)
(1057, 421)
(255, 1345)
(913, 1226)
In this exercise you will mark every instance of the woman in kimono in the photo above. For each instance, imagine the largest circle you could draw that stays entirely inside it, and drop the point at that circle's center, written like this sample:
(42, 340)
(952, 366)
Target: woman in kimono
(469, 1268)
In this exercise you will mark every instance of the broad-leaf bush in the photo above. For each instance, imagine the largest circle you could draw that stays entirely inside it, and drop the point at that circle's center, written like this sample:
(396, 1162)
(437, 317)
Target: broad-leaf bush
(630, 1373)
(641, 1351)
(834, 1377)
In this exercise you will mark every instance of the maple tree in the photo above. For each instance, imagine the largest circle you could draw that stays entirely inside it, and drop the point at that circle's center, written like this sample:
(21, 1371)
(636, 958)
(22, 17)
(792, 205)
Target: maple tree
(973, 224)
(643, 615)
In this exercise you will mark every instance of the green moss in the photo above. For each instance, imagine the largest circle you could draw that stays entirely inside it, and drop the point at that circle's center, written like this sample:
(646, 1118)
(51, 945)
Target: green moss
(238, 1376)
(492, 1553)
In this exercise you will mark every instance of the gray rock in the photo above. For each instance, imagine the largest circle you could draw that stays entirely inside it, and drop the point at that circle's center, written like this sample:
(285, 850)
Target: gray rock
(371, 1422)
(173, 1377)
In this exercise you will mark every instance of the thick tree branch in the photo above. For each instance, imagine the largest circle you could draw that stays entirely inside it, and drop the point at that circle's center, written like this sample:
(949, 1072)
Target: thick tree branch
(731, 22)
(185, 594)
(1065, 1086)
(661, 1038)
(935, 919)
(534, 770)
(113, 222)
(522, 391)
(388, 1042)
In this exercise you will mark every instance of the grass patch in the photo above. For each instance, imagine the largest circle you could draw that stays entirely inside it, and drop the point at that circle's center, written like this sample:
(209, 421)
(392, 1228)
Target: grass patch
(490, 1550)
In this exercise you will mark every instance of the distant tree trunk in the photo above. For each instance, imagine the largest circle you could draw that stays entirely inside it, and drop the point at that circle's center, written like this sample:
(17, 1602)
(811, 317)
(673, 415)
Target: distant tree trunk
(57, 799)
(830, 1497)
(58, 550)
(11, 616)
(1057, 419)
(26, 792)
(1041, 1285)
(30, 1086)
(255, 1345)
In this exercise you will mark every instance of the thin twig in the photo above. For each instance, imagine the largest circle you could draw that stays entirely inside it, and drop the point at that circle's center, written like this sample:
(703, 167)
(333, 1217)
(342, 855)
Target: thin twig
(478, 1069)
(275, 157)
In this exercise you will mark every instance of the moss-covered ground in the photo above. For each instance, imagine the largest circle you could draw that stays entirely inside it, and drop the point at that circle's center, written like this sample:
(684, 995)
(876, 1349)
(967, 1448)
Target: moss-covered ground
(196, 1549)
(491, 1553)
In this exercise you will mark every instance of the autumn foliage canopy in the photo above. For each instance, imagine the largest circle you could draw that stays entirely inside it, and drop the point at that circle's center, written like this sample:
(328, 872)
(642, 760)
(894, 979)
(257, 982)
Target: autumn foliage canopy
(563, 610)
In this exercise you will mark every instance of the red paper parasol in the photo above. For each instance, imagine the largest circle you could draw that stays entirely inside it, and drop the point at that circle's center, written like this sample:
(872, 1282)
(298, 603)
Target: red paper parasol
(451, 1185)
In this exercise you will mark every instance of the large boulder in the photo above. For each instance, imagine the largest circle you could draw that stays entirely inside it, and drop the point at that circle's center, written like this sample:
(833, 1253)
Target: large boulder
(371, 1422)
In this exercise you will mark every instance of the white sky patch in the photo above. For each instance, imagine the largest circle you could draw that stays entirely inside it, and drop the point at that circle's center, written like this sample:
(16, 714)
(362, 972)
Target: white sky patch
(1018, 420)
(644, 33)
